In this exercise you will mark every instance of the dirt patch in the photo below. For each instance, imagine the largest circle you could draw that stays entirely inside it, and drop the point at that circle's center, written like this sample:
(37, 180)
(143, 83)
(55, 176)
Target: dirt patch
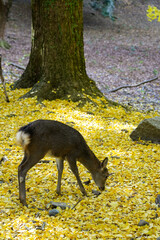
(124, 52)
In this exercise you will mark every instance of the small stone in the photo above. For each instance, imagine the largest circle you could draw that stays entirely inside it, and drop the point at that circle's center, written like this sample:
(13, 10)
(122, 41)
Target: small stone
(53, 212)
(143, 223)
(62, 205)
(157, 201)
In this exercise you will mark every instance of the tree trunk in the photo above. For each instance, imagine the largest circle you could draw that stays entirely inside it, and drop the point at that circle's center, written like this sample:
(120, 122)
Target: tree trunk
(4, 9)
(3, 18)
(56, 68)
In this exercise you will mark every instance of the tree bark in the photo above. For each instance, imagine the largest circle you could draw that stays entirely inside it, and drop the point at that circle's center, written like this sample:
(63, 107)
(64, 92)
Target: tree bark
(56, 68)
(3, 18)
(4, 9)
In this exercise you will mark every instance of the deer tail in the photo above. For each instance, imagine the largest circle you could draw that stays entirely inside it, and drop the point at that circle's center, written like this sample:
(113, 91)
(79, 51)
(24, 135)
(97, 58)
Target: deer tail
(23, 139)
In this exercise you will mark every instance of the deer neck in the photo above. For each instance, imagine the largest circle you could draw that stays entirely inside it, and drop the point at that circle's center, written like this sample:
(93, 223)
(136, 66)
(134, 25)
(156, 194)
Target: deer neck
(91, 162)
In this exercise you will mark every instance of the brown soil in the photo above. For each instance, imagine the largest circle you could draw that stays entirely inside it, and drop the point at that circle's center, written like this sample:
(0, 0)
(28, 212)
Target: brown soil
(124, 52)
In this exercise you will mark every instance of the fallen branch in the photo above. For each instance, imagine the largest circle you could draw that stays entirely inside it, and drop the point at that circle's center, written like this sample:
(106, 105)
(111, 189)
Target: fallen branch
(130, 86)
(17, 66)
(3, 81)
(77, 203)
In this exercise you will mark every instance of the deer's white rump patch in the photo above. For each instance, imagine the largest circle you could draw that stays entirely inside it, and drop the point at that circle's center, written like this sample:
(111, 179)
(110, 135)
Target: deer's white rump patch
(23, 139)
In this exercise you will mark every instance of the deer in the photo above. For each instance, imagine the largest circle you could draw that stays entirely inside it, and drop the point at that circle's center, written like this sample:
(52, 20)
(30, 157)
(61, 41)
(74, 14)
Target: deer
(64, 143)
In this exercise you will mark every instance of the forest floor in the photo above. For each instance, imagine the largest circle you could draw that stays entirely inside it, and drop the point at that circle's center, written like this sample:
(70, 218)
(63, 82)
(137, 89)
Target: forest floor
(117, 53)
(123, 52)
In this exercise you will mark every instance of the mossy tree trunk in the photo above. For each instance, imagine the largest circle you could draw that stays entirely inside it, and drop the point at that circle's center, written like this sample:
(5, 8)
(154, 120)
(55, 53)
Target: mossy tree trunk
(56, 68)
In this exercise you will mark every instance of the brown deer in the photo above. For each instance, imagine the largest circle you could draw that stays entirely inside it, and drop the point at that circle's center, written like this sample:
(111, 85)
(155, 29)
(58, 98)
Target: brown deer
(64, 143)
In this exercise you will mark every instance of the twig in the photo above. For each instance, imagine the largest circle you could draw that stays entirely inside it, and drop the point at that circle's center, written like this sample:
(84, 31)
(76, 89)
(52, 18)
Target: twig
(16, 65)
(130, 86)
(3, 81)
(77, 203)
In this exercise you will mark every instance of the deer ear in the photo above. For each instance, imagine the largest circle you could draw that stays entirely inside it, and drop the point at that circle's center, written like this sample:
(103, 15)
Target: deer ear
(104, 163)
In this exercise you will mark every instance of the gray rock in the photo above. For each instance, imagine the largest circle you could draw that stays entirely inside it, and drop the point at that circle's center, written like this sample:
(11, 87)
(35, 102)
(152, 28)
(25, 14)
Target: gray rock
(53, 212)
(143, 223)
(158, 238)
(62, 205)
(148, 129)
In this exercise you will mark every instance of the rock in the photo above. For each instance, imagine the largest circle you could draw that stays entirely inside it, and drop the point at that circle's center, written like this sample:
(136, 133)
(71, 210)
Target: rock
(62, 205)
(143, 223)
(53, 212)
(158, 238)
(157, 201)
(148, 129)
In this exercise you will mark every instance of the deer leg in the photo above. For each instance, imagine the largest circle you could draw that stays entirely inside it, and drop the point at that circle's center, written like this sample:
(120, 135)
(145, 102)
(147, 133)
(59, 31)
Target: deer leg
(74, 169)
(21, 181)
(60, 165)
(27, 163)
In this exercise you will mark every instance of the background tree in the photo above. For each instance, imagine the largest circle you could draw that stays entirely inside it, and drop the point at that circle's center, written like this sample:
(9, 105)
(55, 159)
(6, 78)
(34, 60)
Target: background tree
(56, 68)
(4, 9)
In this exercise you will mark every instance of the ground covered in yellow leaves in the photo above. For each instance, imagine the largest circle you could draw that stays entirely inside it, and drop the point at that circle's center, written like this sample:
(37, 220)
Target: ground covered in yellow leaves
(130, 191)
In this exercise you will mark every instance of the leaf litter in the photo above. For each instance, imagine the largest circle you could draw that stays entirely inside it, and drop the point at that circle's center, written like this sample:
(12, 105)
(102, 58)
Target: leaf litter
(130, 191)
(117, 54)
